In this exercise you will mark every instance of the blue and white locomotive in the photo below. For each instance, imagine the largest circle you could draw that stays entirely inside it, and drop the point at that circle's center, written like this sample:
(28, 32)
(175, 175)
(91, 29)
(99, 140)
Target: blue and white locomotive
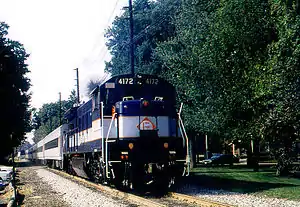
(127, 134)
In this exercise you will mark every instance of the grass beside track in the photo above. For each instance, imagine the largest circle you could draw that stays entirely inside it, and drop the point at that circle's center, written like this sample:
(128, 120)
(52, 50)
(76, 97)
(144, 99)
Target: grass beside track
(245, 180)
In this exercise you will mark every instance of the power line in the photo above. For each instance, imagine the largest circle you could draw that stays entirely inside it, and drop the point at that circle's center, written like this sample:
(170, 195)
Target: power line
(108, 21)
(103, 47)
(141, 33)
(102, 33)
(134, 39)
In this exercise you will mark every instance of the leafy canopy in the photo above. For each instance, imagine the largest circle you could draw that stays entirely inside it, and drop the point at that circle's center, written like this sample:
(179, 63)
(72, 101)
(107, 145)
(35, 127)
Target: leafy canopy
(14, 86)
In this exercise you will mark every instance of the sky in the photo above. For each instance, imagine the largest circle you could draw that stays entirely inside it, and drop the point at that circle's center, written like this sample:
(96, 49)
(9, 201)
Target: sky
(61, 35)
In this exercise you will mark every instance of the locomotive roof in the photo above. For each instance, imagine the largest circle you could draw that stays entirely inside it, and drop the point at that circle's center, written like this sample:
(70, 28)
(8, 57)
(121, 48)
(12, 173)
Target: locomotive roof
(137, 76)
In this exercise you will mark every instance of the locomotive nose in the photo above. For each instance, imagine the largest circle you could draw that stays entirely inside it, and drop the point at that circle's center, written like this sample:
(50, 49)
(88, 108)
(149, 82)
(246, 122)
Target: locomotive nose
(149, 148)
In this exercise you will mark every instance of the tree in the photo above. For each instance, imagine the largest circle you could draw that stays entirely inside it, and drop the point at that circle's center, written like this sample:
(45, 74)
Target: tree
(47, 118)
(282, 124)
(14, 85)
(152, 24)
(235, 65)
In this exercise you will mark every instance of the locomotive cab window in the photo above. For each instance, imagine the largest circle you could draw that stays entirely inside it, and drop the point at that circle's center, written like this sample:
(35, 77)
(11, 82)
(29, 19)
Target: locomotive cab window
(128, 98)
(158, 98)
(95, 102)
(109, 101)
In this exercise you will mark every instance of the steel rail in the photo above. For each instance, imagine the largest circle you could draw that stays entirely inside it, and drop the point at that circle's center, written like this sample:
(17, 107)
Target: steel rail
(198, 201)
(187, 199)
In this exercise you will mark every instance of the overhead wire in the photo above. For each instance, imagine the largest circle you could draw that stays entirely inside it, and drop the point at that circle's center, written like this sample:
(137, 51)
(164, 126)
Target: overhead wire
(108, 21)
(136, 37)
(102, 50)
(141, 33)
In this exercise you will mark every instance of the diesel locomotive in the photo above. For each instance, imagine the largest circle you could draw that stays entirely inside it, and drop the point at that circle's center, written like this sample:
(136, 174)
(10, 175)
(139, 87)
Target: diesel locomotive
(128, 134)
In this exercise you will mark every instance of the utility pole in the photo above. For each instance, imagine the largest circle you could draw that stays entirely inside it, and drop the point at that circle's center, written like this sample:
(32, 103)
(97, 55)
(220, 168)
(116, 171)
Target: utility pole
(206, 146)
(131, 37)
(77, 84)
(14, 169)
(60, 122)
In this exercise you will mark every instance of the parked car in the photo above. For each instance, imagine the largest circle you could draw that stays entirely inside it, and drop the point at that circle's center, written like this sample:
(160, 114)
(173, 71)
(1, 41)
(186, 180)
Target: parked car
(7, 168)
(221, 159)
(5, 174)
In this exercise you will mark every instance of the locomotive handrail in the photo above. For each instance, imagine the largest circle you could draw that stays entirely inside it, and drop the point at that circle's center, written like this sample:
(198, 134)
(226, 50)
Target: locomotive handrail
(102, 127)
(106, 146)
(183, 132)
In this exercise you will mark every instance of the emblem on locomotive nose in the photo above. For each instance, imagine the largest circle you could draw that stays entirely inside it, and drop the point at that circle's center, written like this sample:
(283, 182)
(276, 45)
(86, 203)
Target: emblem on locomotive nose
(146, 124)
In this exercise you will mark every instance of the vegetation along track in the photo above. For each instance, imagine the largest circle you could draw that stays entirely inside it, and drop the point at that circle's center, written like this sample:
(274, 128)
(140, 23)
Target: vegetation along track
(172, 199)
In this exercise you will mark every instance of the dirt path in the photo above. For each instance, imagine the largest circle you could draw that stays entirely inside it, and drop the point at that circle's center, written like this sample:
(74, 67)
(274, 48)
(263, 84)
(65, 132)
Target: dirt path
(33, 192)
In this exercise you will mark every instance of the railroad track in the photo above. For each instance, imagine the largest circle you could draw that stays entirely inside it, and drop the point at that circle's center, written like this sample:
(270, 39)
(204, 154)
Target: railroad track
(172, 199)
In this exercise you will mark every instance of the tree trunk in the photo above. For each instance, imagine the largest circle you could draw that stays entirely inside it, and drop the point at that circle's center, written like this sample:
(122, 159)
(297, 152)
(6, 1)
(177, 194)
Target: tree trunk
(192, 152)
(256, 155)
(249, 157)
(283, 163)
(253, 156)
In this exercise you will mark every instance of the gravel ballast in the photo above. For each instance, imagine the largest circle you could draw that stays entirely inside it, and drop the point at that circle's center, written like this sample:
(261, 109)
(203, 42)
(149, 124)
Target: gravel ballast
(34, 192)
(44, 188)
(236, 199)
(75, 194)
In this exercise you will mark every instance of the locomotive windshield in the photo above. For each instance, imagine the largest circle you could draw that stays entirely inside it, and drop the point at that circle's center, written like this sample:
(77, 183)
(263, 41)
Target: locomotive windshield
(143, 87)
(146, 86)
(148, 92)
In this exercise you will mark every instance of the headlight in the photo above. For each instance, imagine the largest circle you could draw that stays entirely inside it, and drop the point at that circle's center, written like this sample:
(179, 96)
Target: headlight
(166, 145)
(130, 145)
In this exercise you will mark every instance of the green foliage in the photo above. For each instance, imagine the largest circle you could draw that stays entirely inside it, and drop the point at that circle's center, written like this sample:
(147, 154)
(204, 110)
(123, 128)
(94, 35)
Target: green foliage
(50, 116)
(14, 85)
(152, 24)
(235, 65)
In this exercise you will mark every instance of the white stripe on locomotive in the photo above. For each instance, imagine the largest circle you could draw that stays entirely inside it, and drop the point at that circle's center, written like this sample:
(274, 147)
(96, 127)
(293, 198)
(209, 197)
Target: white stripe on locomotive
(129, 125)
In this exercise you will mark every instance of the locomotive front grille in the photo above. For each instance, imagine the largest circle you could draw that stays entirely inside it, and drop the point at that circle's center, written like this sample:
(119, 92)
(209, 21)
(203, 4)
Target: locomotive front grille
(149, 148)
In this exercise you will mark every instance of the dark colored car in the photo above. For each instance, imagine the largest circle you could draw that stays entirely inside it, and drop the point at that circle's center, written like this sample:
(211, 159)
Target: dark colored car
(221, 159)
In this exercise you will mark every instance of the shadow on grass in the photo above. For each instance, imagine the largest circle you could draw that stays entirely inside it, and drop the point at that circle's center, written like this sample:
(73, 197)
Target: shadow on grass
(230, 169)
(224, 178)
